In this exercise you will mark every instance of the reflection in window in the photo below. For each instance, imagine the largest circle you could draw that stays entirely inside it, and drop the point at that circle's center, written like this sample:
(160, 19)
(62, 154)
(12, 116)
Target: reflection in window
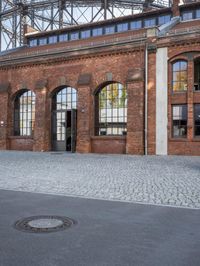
(109, 29)
(122, 27)
(150, 22)
(53, 39)
(197, 75)
(33, 42)
(85, 34)
(24, 114)
(97, 32)
(163, 19)
(111, 116)
(136, 24)
(179, 70)
(197, 120)
(63, 100)
(198, 13)
(187, 15)
(42, 41)
(74, 36)
(179, 120)
(63, 37)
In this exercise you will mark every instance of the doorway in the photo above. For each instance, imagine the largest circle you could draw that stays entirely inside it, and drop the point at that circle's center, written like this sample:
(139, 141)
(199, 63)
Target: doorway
(64, 120)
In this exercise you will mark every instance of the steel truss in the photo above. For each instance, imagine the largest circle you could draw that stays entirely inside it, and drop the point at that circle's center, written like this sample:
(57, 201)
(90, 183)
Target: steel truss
(46, 15)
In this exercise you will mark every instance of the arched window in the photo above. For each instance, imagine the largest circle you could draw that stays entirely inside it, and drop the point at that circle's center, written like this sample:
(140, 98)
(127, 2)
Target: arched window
(111, 110)
(65, 99)
(24, 113)
(179, 80)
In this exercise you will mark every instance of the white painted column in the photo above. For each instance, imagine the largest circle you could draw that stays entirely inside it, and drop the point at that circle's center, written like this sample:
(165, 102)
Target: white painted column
(161, 101)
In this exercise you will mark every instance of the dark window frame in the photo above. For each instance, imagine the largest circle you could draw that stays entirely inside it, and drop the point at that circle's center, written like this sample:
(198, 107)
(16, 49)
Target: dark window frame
(21, 113)
(116, 128)
(109, 26)
(122, 25)
(187, 12)
(196, 124)
(179, 61)
(196, 82)
(180, 125)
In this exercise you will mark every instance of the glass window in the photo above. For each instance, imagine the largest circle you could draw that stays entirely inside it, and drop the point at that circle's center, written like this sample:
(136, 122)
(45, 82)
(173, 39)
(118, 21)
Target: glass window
(85, 34)
(164, 19)
(33, 42)
(111, 113)
(179, 120)
(97, 32)
(197, 75)
(24, 114)
(42, 41)
(64, 100)
(63, 37)
(198, 13)
(53, 39)
(136, 24)
(197, 119)
(109, 29)
(74, 36)
(150, 22)
(179, 81)
(122, 27)
(187, 15)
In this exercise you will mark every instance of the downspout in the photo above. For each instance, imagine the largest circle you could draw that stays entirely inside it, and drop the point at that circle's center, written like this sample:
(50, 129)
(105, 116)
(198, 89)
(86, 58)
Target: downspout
(146, 104)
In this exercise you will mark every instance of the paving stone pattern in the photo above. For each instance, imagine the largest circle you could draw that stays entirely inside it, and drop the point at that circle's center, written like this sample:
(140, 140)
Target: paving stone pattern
(165, 180)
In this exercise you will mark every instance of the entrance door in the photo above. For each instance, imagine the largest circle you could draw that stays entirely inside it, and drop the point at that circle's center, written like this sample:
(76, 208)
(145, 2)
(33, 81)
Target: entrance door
(64, 120)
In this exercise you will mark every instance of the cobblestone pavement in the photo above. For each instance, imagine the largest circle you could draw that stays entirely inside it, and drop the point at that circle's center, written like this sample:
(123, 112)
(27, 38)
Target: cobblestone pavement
(165, 180)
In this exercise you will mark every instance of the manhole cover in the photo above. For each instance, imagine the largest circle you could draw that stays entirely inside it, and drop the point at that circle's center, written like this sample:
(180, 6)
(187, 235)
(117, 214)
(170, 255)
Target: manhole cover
(43, 224)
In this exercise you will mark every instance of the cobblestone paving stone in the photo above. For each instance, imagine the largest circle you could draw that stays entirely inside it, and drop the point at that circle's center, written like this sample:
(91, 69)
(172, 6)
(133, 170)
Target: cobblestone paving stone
(164, 180)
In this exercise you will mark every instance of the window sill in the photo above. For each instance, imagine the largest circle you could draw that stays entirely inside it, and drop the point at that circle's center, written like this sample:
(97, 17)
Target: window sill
(108, 137)
(178, 139)
(20, 137)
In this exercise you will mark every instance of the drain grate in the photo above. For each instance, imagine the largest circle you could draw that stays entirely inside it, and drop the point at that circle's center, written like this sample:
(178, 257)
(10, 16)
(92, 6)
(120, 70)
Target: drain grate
(44, 224)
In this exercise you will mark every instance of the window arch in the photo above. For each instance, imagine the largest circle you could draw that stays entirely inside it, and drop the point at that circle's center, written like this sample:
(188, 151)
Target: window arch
(111, 110)
(24, 113)
(65, 98)
(179, 75)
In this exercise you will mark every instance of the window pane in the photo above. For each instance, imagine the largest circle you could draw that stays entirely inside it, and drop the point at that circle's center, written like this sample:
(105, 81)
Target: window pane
(33, 42)
(85, 34)
(42, 41)
(122, 27)
(197, 119)
(198, 13)
(179, 81)
(53, 39)
(179, 120)
(63, 37)
(187, 15)
(112, 106)
(24, 115)
(136, 24)
(164, 19)
(150, 22)
(97, 32)
(109, 30)
(74, 36)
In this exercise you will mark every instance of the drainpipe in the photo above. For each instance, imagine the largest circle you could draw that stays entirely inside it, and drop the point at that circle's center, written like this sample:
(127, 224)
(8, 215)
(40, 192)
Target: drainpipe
(146, 104)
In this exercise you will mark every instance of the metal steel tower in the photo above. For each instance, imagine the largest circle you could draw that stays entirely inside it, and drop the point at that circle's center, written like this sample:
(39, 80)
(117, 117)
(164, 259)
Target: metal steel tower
(54, 14)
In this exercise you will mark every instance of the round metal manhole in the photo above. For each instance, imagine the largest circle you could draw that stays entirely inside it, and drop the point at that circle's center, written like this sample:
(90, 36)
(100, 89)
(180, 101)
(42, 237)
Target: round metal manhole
(44, 224)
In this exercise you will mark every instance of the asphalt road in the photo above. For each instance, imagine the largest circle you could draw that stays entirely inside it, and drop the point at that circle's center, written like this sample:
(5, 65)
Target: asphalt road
(106, 234)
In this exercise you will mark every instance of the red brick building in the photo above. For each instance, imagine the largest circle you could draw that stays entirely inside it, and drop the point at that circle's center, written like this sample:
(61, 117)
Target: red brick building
(128, 85)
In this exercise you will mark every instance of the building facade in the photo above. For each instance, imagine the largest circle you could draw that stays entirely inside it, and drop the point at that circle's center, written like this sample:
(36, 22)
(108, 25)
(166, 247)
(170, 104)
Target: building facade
(128, 85)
